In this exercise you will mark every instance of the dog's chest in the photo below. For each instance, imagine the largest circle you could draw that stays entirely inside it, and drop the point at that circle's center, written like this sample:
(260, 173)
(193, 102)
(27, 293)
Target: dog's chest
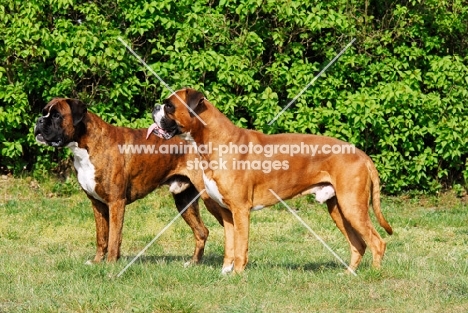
(85, 170)
(213, 191)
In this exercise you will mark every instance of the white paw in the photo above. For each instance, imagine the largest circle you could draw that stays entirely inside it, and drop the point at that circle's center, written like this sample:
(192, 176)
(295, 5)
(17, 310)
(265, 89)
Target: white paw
(188, 264)
(227, 269)
(89, 262)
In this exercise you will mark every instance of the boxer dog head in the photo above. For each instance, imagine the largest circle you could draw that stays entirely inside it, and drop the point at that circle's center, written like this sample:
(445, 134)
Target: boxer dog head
(59, 124)
(177, 113)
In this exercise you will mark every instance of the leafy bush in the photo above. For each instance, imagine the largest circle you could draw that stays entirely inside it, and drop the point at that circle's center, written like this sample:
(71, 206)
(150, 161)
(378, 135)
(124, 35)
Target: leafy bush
(399, 93)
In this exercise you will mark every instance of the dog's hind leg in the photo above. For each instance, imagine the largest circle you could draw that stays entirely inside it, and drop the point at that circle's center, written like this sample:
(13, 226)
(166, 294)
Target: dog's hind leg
(357, 214)
(357, 245)
(193, 219)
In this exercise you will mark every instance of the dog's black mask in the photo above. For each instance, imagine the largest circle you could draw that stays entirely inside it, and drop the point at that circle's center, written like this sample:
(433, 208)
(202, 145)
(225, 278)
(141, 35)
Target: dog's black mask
(52, 128)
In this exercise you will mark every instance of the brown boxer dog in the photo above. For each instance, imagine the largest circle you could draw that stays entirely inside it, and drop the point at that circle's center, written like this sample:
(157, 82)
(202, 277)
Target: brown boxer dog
(112, 178)
(245, 170)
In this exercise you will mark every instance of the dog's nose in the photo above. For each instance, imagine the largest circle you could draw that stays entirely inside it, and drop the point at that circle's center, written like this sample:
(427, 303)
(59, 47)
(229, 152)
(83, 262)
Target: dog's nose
(40, 120)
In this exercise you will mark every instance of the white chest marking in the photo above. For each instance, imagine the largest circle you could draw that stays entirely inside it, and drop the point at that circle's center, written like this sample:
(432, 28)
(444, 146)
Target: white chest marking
(85, 170)
(213, 191)
(187, 136)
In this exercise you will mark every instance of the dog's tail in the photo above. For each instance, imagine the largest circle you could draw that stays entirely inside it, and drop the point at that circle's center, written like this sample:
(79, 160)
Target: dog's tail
(374, 176)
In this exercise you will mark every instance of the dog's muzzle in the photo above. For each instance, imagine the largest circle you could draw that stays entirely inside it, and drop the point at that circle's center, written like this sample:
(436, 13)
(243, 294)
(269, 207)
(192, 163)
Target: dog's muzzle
(40, 132)
(162, 127)
(161, 132)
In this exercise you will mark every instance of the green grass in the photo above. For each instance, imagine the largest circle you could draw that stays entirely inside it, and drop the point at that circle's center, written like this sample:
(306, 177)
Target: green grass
(46, 236)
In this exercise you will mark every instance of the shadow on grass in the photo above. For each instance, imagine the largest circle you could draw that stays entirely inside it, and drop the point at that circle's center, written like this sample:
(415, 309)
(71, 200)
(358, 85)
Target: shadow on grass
(313, 266)
(216, 260)
(316, 266)
(210, 259)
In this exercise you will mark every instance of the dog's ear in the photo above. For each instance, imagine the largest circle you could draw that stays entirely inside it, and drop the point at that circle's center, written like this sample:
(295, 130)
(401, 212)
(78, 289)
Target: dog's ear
(195, 100)
(78, 109)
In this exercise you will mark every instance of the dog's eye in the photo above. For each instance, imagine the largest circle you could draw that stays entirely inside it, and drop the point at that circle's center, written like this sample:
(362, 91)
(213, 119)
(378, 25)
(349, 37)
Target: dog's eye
(168, 105)
(56, 115)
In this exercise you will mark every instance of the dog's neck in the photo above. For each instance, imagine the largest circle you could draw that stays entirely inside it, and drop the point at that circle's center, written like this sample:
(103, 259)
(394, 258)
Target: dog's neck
(218, 127)
(90, 121)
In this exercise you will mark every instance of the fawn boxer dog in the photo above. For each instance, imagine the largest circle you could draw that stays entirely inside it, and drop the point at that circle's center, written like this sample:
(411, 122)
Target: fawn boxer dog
(112, 178)
(244, 170)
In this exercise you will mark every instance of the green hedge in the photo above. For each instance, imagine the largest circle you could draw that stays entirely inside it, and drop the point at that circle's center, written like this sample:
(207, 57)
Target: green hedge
(399, 93)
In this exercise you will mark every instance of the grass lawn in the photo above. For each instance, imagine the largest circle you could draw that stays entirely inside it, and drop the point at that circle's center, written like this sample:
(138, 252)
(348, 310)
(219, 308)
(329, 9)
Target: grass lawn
(47, 234)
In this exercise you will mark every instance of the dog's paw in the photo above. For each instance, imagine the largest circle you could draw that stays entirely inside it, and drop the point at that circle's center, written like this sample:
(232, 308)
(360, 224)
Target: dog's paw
(188, 264)
(227, 269)
(89, 262)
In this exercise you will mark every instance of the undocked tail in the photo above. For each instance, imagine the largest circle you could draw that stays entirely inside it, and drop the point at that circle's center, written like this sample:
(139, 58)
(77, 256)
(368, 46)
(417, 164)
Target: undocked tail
(374, 175)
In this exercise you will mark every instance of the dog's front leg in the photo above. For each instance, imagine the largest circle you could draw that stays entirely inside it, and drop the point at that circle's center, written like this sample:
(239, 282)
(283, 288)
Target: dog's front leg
(229, 249)
(193, 219)
(101, 218)
(116, 219)
(241, 218)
